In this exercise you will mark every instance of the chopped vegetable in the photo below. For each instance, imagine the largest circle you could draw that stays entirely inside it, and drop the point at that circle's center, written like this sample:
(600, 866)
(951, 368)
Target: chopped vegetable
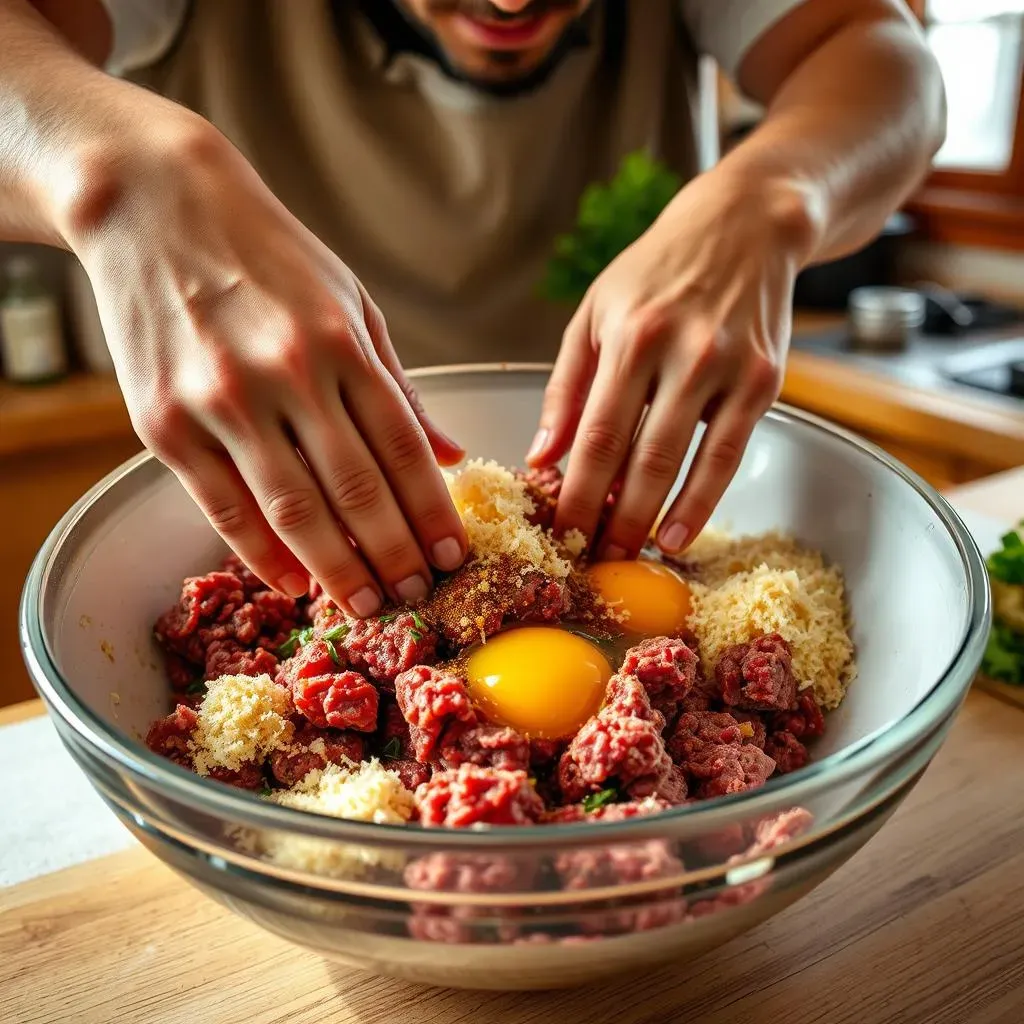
(1004, 655)
(266, 790)
(1007, 564)
(390, 617)
(416, 634)
(417, 621)
(392, 749)
(593, 801)
(296, 639)
(333, 651)
(337, 632)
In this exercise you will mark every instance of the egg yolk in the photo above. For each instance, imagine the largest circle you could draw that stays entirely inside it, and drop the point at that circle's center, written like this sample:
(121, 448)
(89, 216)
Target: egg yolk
(656, 599)
(540, 680)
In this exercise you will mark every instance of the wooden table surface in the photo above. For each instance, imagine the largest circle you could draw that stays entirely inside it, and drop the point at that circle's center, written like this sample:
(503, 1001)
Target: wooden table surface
(926, 924)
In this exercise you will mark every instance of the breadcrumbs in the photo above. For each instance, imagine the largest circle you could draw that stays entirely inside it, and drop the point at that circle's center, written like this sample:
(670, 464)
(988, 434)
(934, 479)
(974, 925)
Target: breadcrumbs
(747, 586)
(241, 719)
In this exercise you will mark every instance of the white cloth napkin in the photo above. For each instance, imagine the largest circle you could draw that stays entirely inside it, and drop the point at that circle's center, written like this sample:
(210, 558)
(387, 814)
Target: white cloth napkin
(50, 816)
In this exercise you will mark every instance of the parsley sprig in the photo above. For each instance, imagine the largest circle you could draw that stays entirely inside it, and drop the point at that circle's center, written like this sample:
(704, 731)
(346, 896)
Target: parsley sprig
(1004, 653)
(594, 801)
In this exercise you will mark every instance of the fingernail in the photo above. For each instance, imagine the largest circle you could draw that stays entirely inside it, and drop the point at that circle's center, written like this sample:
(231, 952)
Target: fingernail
(540, 442)
(673, 538)
(364, 602)
(447, 554)
(613, 553)
(293, 585)
(412, 589)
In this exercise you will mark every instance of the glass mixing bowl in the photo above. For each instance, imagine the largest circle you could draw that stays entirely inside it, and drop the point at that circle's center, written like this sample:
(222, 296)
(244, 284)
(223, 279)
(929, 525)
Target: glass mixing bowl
(546, 906)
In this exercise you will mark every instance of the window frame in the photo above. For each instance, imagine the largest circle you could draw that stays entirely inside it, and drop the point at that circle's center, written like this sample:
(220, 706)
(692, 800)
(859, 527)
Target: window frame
(978, 208)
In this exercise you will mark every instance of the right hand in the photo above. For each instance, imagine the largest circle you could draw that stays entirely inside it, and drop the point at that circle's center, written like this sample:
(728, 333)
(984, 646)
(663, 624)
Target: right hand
(255, 365)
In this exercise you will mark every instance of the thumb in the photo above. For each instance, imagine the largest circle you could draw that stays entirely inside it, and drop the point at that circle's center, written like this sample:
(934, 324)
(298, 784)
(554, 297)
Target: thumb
(566, 392)
(446, 451)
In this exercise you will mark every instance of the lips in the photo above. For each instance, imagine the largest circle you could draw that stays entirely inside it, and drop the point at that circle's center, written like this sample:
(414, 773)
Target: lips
(516, 34)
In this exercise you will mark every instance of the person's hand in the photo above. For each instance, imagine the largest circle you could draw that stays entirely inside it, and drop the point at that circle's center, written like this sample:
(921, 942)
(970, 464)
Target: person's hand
(691, 322)
(255, 365)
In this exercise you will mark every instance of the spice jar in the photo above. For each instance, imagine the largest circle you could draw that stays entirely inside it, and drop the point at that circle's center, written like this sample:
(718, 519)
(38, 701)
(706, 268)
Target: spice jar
(31, 332)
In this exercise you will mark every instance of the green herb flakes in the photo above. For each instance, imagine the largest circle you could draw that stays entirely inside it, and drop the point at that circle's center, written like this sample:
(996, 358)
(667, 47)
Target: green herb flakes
(337, 632)
(416, 635)
(296, 639)
(417, 621)
(392, 749)
(593, 801)
(333, 651)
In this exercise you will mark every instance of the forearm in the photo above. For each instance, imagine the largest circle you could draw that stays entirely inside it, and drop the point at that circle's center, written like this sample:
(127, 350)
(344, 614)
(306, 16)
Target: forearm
(56, 109)
(850, 133)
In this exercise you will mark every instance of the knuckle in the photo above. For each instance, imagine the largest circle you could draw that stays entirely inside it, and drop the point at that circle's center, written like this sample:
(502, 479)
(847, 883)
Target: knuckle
(344, 575)
(647, 326)
(355, 489)
(603, 443)
(226, 516)
(404, 446)
(706, 358)
(162, 427)
(657, 459)
(399, 556)
(765, 379)
(291, 508)
(725, 453)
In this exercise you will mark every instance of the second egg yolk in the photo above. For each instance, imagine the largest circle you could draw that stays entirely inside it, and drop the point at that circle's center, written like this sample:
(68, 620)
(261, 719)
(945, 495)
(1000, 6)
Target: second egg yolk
(654, 598)
(540, 680)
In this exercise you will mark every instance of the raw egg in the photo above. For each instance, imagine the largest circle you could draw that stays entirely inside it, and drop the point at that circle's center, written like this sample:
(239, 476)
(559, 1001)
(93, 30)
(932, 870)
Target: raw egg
(656, 599)
(540, 680)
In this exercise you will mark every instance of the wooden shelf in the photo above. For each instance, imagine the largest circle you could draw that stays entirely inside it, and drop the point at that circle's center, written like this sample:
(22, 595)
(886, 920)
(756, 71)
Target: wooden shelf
(70, 412)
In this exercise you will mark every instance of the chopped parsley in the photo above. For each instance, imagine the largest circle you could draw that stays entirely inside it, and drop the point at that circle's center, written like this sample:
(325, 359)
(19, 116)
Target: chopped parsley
(416, 634)
(392, 749)
(266, 790)
(1007, 564)
(593, 801)
(417, 621)
(390, 617)
(337, 632)
(333, 651)
(1004, 655)
(296, 639)
(196, 686)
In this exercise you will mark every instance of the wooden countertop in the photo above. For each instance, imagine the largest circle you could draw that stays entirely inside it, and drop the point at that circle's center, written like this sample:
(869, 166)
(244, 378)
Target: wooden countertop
(84, 409)
(923, 926)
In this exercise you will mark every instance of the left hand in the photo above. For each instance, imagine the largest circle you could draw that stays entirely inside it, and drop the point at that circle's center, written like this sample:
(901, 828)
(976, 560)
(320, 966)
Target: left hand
(691, 322)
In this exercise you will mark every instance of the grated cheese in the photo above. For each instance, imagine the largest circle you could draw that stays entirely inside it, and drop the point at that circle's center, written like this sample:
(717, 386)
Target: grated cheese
(768, 584)
(495, 508)
(241, 719)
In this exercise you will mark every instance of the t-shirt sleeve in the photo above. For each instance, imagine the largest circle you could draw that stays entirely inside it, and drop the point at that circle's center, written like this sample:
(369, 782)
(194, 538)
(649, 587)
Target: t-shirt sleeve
(726, 29)
(143, 31)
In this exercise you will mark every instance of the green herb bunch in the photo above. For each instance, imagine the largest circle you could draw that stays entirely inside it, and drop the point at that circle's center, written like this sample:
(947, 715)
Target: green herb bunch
(1004, 655)
(611, 217)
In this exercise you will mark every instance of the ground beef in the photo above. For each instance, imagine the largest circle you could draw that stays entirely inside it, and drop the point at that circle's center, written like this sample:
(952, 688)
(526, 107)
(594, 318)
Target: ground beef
(627, 698)
(709, 746)
(543, 486)
(572, 813)
(758, 676)
(412, 773)
(666, 667)
(545, 753)
(751, 726)
(613, 749)
(230, 658)
(431, 700)
(180, 673)
(779, 829)
(204, 600)
(249, 580)
(293, 763)
(479, 599)
(386, 646)
(673, 789)
(697, 729)
(340, 700)
(730, 768)
(249, 776)
(488, 746)
(393, 727)
(170, 736)
(787, 751)
(623, 865)
(280, 615)
(469, 795)
(806, 721)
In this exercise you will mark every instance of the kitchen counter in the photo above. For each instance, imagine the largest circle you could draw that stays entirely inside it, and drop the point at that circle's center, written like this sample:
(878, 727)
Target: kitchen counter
(923, 926)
